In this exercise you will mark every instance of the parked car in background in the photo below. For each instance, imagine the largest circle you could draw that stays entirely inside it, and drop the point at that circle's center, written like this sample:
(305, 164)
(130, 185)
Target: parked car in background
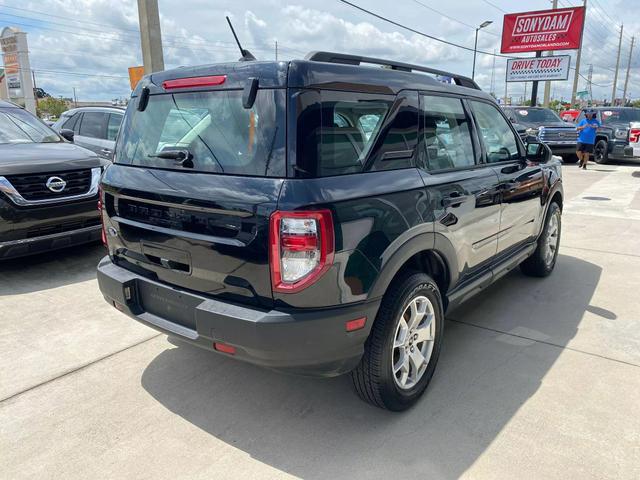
(612, 138)
(48, 187)
(319, 216)
(95, 128)
(632, 151)
(545, 124)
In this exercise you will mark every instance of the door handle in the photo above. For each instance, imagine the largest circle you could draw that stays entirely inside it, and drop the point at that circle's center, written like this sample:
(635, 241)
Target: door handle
(105, 150)
(455, 200)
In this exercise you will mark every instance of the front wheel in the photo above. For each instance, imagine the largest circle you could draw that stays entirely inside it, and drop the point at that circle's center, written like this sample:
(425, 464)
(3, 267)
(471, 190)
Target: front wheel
(543, 260)
(601, 152)
(404, 344)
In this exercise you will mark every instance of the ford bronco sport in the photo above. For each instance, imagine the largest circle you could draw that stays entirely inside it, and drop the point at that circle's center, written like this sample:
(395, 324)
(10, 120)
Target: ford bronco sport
(319, 216)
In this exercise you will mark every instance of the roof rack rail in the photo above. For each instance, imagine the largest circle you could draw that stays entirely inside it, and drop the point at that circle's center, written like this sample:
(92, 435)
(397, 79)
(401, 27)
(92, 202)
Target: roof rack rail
(347, 59)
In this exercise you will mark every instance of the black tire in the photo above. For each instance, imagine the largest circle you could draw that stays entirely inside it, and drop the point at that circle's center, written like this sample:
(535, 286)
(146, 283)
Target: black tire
(537, 264)
(569, 158)
(601, 152)
(373, 378)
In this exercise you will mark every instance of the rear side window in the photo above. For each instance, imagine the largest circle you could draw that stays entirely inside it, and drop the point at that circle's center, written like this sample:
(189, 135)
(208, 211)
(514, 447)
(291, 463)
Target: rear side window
(446, 133)
(499, 140)
(115, 119)
(214, 127)
(341, 133)
(93, 125)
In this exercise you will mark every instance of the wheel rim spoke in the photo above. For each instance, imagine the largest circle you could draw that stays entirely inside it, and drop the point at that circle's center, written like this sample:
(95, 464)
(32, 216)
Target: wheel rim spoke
(413, 342)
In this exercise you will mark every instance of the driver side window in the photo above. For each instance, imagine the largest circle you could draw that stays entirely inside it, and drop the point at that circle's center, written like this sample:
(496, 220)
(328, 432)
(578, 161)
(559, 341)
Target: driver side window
(499, 140)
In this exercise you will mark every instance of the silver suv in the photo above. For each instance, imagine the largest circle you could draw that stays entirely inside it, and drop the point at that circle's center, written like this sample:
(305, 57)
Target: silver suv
(94, 128)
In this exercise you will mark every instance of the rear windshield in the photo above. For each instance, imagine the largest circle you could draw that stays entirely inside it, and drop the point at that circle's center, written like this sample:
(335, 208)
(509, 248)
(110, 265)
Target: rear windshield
(214, 127)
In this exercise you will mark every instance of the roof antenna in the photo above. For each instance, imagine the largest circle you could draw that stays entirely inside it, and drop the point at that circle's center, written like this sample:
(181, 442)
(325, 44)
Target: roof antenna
(246, 54)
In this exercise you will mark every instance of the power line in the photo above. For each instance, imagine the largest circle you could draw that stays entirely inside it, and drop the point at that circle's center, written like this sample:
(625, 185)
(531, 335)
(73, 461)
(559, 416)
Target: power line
(450, 17)
(494, 6)
(417, 32)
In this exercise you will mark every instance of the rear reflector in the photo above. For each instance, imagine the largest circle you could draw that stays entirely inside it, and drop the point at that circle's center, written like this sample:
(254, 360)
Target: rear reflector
(224, 348)
(194, 82)
(356, 324)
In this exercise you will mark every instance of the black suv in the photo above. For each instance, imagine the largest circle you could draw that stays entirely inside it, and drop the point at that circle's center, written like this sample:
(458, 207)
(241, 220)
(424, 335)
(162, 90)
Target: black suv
(545, 124)
(319, 216)
(48, 187)
(612, 138)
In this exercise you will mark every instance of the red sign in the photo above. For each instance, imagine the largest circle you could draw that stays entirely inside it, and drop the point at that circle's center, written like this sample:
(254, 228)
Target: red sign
(559, 29)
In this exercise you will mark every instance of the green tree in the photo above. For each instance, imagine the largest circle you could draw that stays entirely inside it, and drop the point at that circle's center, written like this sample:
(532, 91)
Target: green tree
(635, 103)
(51, 106)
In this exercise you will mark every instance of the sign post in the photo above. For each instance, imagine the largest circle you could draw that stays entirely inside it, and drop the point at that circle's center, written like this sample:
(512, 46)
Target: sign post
(15, 55)
(557, 29)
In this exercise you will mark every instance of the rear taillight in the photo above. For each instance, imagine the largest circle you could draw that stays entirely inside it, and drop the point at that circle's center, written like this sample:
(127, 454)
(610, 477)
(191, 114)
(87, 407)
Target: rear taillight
(100, 205)
(634, 135)
(302, 248)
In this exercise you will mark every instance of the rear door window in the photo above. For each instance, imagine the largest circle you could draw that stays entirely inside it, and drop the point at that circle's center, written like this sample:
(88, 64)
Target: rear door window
(94, 125)
(220, 134)
(446, 133)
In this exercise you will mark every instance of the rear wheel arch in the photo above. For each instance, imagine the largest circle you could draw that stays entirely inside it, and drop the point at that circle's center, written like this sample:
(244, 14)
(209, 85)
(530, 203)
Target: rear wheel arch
(414, 257)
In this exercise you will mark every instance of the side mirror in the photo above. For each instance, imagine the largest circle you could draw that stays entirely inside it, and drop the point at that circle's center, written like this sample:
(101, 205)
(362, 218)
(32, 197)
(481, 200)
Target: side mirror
(67, 134)
(538, 152)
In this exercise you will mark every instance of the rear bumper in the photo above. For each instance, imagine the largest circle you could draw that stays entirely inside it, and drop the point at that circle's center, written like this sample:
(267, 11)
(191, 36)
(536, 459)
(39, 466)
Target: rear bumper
(632, 152)
(308, 342)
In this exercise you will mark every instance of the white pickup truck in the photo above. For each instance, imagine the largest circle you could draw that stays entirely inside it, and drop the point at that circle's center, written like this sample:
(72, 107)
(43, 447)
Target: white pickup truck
(633, 150)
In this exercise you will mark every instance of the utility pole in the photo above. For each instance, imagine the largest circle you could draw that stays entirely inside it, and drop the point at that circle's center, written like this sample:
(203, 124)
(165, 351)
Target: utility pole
(547, 84)
(35, 86)
(589, 83)
(578, 55)
(493, 75)
(150, 36)
(626, 80)
(75, 99)
(615, 75)
(506, 89)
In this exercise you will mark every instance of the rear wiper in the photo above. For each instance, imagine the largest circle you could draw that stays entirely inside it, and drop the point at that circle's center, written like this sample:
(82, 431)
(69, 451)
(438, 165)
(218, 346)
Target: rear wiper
(184, 157)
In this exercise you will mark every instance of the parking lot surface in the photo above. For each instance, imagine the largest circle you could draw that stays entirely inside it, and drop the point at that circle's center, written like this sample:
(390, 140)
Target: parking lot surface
(537, 378)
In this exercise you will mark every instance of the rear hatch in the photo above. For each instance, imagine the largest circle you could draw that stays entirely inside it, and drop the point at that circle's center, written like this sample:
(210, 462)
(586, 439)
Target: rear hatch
(197, 174)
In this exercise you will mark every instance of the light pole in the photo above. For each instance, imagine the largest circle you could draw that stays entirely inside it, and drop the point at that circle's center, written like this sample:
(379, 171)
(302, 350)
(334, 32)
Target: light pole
(475, 47)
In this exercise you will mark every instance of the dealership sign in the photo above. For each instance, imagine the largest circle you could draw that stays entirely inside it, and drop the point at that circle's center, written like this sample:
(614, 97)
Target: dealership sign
(534, 68)
(559, 29)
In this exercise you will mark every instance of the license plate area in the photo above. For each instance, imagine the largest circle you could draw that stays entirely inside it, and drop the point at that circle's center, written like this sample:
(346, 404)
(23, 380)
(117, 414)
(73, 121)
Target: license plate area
(169, 304)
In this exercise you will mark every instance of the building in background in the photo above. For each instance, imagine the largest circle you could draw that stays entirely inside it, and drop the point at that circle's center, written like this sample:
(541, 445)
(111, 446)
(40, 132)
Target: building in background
(17, 70)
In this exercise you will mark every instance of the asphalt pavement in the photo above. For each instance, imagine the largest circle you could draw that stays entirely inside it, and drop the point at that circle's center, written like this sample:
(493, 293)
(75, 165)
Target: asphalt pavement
(538, 378)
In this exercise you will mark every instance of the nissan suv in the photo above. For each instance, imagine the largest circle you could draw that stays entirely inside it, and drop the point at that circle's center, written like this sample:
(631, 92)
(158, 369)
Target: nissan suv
(48, 187)
(320, 216)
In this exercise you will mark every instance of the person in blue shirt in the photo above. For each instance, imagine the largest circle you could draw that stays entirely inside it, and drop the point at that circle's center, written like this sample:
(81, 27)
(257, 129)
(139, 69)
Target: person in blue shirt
(586, 137)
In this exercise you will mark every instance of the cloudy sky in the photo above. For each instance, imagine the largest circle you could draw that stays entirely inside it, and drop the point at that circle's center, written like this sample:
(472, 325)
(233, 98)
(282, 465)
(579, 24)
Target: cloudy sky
(89, 44)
